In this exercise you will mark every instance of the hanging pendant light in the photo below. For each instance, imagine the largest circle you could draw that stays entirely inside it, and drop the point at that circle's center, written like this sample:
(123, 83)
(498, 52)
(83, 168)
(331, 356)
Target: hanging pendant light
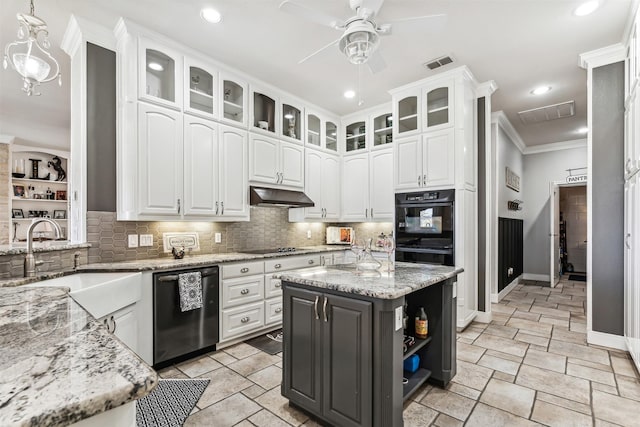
(29, 55)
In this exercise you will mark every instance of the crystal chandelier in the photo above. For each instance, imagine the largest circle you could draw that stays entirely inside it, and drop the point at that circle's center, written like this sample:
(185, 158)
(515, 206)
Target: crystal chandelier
(359, 42)
(29, 54)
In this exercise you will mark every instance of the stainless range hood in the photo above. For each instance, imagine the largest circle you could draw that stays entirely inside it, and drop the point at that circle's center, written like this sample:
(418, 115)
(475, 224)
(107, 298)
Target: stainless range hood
(264, 196)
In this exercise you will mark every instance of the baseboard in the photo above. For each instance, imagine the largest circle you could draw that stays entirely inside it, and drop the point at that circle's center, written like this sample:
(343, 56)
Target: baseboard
(484, 317)
(536, 277)
(607, 340)
(496, 298)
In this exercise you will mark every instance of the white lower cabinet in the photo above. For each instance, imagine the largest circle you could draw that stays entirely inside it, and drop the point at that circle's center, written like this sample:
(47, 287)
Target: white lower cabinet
(123, 324)
(273, 311)
(242, 320)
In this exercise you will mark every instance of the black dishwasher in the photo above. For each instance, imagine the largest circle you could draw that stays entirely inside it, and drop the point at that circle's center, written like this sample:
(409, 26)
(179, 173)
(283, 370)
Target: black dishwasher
(179, 335)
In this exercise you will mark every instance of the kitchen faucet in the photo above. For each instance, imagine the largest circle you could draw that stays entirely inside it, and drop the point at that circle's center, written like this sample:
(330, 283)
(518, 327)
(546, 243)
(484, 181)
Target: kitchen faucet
(29, 259)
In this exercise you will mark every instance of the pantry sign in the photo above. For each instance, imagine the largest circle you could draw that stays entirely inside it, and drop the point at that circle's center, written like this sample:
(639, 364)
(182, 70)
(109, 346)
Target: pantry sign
(577, 179)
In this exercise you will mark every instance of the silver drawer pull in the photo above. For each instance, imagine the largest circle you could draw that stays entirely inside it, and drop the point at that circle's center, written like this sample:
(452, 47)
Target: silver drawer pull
(315, 307)
(244, 270)
(277, 266)
(278, 284)
(279, 310)
(311, 262)
(244, 291)
(245, 319)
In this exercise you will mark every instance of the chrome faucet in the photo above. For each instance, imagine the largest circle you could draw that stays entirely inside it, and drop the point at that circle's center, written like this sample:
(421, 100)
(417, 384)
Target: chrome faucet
(29, 259)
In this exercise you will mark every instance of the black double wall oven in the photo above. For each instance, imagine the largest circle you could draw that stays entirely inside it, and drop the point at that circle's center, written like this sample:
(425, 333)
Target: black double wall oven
(424, 227)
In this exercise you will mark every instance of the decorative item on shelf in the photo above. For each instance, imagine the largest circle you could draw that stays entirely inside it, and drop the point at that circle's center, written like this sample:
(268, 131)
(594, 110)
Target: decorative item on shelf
(512, 180)
(18, 168)
(17, 175)
(422, 324)
(33, 38)
(380, 240)
(515, 205)
(292, 127)
(361, 130)
(56, 163)
(59, 214)
(35, 165)
(227, 94)
(177, 253)
(61, 195)
(367, 262)
(263, 124)
(17, 213)
(15, 229)
(18, 191)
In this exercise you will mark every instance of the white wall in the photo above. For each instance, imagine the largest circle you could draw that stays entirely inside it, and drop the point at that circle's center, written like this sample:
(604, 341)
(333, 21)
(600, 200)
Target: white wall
(508, 156)
(539, 170)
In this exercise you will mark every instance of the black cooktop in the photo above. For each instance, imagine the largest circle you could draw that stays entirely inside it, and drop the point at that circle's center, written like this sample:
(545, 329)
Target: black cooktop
(268, 251)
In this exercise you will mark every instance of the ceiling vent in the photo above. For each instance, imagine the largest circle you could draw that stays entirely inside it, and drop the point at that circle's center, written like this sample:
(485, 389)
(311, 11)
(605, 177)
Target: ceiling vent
(550, 112)
(438, 62)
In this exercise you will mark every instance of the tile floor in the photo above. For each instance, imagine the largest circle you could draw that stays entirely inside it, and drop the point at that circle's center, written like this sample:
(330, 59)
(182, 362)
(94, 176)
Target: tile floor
(530, 366)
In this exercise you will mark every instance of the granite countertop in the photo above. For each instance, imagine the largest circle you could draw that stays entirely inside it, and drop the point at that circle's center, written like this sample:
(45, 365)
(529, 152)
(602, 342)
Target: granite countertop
(49, 246)
(58, 365)
(406, 278)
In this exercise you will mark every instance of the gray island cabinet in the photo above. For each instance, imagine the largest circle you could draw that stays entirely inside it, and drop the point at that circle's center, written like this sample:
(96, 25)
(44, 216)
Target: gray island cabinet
(343, 340)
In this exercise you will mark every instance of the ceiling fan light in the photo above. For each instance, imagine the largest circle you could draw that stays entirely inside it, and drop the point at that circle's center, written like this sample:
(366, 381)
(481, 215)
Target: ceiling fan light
(359, 44)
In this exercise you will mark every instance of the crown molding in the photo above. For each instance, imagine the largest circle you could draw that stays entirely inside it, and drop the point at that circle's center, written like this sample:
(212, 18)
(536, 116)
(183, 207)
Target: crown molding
(487, 88)
(556, 146)
(501, 119)
(79, 29)
(6, 139)
(603, 56)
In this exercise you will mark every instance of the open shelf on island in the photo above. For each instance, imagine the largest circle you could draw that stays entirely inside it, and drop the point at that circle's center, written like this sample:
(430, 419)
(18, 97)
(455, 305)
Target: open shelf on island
(416, 379)
(417, 346)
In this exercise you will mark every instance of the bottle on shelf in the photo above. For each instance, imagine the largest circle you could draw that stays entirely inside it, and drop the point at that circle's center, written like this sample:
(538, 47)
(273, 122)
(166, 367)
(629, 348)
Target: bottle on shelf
(422, 324)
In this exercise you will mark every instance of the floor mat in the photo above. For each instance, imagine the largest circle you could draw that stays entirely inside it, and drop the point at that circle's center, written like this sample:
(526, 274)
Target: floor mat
(170, 403)
(270, 343)
(578, 277)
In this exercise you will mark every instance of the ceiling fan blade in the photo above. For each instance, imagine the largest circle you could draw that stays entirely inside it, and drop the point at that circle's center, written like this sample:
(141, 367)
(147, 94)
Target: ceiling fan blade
(376, 62)
(373, 6)
(430, 23)
(310, 14)
(318, 51)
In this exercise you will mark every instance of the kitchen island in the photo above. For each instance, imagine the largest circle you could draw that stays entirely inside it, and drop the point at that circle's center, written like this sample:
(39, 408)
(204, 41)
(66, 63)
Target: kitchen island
(59, 366)
(344, 335)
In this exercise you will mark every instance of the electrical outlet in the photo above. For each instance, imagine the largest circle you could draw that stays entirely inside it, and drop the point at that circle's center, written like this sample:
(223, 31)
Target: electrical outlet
(133, 240)
(510, 271)
(217, 237)
(146, 240)
(308, 234)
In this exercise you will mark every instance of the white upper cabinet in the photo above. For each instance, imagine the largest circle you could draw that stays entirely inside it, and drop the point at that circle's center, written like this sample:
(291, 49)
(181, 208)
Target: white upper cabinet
(200, 89)
(234, 100)
(160, 74)
(381, 199)
(322, 132)
(265, 116)
(331, 186)
(355, 133)
(201, 153)
(355, 183)
(275, 162)
(406, 111)
(382, 126)
(438, 106)
(331, 135)
(291, 165)
(408, 163)
(314, 129)
(292, 122)
(425, 161)
(233, 166)
(322, 185)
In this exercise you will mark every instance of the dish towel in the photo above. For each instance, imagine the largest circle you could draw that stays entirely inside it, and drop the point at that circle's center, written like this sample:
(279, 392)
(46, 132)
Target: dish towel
(190, 289)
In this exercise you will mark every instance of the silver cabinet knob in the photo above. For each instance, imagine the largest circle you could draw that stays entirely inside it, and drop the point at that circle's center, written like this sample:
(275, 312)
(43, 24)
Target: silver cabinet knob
(244, 270)
(244, 291)
(278, 310)
(245, 319)
(311, 262)
(278, 284)
(277, 266)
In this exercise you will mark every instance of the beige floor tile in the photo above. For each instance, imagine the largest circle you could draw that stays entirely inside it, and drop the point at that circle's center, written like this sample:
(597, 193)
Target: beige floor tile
(449, 403)
(421, 392)
(471, 332)
(590, 364)
(628, 387)
(504, 345)
(172, 373)
(571, 308)
(253, 363)
(417, 415)
(501, 331)
(552, 415)
(500, 308)
(279, 405)
(244, 423)
(465, 340)
(311, 423)
(522, 306)
(484, 416)
(445, 420)
(504, 377)
(578, 327)
(554, 321)
(265, 418)
(499, 319)
(196, 367)
(469, 353)
(241, 350)
(591, 374)
(527, 316)
(253, 391)
(499, 364)
(565, 403)
(268, 377)
(471, 375)
(506, 356)
(553, 362)
(605, 388)
(554, 383)
(600, 423)
(463, 390)
(530, 327)
(615, 409)
(549, 311)
(224, 382)
(227, 412)
(532, 339)
(569, 336)
(623, 366)
(579, 351)
(222, 357)
(509, 397)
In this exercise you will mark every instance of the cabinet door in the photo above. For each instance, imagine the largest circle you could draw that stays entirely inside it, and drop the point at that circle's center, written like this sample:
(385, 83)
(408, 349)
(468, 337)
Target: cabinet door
(438, 106)
(347, 361)
(381, 199)
(234, 97)
(160, 74)
(331, 187)
(356, 135)
(302, 352)
(201, 156)
(355, 187)
(159, 160)
(314, 183)
(233, 173)
(125, 323)
(200, 88)
(291, 164)
(407, 169)
(438, 158)
(264, 159)
(406, 114)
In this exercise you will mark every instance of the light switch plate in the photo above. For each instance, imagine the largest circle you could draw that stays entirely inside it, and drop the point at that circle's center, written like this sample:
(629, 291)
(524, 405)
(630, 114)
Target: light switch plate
(217, 237)
(398, 316)
(146, 240)
(308, 234)
(133, 240)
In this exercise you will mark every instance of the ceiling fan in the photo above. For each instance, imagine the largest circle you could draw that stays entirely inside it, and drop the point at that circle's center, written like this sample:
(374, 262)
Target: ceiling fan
(361, 33)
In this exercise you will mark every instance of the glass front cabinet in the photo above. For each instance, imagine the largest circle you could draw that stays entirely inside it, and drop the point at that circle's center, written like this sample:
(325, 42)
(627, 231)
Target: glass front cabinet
(200, 89)
(292, 125)
(314, 127)
(355, 135)
(406, 110)
(264, 112)
(438, 104)
(331, 135)
(322, 132)
(382, 125)
(160, 74)
(233, 95)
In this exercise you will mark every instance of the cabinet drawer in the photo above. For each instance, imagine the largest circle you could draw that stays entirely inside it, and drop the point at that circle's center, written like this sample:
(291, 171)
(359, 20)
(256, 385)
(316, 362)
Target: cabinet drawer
(273, 311)
(243, 269)
(272, 287)
(242, 290)
(242, 320)
(291, 263)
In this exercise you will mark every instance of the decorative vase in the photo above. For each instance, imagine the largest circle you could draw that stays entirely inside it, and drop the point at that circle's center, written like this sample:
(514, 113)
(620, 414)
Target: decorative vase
(367, 262)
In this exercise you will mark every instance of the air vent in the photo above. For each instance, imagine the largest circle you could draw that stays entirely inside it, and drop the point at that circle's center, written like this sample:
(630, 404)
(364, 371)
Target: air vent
(438, 62)
(550, 112)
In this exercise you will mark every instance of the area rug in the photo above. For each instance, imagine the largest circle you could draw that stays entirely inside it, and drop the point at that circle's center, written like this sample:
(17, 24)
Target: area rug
(578, 277)
(270, 343)
(170, 403)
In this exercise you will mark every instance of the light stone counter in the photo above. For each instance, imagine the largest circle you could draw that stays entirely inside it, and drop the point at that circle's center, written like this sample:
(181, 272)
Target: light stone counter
(48, 246)
(58, 365)
(406, 279)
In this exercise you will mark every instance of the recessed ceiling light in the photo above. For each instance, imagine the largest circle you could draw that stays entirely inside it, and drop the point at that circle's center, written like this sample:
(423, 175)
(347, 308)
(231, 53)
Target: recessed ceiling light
(349, 94)
(540, 90)
(155, 66)
(586, 8)
(211, 15)
(583, 130)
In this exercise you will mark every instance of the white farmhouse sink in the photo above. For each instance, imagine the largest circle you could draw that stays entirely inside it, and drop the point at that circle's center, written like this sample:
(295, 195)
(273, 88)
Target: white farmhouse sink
(100, 293)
